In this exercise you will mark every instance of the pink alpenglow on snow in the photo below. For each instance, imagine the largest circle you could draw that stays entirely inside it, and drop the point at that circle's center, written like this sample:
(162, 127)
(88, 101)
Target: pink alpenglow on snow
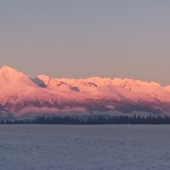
(22, 96)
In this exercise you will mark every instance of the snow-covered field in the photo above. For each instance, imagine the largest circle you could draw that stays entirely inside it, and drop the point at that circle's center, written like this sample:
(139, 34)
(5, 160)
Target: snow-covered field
(98, 147)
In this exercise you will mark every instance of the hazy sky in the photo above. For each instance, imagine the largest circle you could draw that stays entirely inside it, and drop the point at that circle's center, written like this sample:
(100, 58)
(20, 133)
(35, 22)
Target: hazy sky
(84, 38)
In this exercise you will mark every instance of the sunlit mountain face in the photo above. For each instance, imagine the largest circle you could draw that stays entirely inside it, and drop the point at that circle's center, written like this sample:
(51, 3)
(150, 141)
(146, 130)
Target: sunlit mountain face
(22, 96)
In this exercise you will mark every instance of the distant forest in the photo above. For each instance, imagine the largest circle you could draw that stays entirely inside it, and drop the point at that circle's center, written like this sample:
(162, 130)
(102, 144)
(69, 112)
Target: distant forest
(93, 120)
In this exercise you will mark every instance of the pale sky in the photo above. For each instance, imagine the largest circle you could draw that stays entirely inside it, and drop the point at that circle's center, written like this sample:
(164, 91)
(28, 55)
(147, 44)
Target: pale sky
(84, 38)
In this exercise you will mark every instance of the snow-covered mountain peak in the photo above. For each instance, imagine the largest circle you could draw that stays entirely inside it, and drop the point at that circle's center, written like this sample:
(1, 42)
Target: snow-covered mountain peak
(8, 75)
(128, 84)
(43, 77)
(47, 80)
(22, 95)
(5, 67)
(9, 72)
(13, 78)
(133, 83)
(100, 81)
(143, 83)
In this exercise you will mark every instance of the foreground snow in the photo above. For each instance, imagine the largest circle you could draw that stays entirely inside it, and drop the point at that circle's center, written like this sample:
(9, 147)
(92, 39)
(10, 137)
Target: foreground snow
(125, 147)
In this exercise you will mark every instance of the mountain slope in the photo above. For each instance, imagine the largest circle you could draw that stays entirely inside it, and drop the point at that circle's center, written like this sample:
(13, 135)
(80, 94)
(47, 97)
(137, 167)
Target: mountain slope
(21, 95)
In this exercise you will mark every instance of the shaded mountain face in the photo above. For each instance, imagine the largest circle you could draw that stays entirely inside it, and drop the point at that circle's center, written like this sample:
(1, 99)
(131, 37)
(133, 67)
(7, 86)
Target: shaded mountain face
(22, 96)
(5, 114)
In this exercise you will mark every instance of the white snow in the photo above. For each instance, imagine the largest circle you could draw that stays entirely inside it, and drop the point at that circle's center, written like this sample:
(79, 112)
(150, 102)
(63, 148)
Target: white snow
(98, 147)
(16, 87)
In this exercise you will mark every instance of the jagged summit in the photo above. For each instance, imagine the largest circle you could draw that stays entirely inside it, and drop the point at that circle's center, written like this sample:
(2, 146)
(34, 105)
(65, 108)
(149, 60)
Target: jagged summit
(22, 95)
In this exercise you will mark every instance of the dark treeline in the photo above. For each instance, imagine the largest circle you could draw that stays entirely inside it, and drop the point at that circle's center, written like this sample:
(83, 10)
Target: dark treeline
(93, 120)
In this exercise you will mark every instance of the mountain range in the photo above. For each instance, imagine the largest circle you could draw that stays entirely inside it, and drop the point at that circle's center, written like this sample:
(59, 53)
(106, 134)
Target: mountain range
(21, 96)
